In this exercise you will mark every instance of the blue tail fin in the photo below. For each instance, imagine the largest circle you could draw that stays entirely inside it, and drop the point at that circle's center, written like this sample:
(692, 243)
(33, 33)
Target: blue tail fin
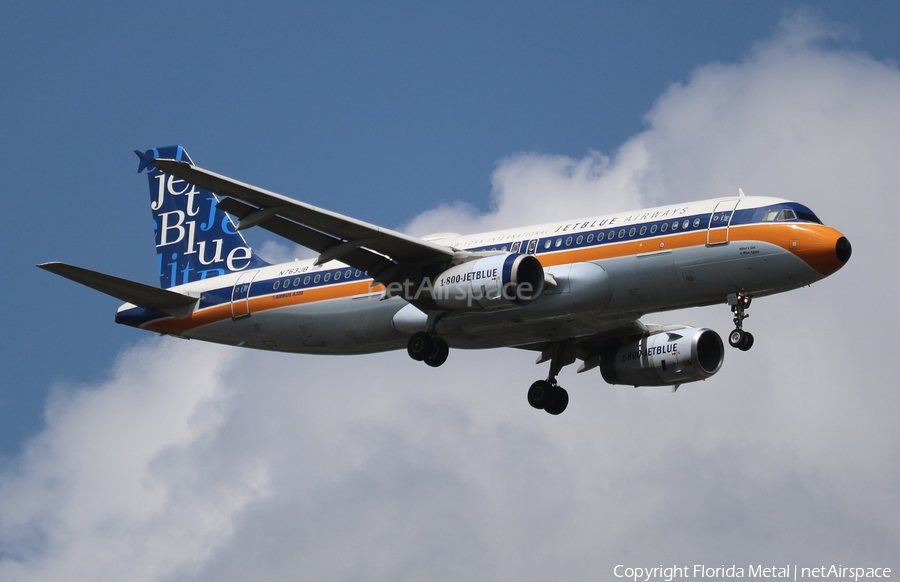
(194, 239)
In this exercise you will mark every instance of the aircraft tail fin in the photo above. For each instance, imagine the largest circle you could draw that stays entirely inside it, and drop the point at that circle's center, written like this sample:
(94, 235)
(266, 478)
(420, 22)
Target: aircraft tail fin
(195, 239)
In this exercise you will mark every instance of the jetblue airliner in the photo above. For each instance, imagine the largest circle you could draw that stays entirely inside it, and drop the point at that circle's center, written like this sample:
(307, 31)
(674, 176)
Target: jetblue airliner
(572, 290)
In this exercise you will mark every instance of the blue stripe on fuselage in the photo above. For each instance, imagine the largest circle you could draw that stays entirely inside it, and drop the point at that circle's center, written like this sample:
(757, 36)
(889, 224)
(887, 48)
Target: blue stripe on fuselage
(626, 232)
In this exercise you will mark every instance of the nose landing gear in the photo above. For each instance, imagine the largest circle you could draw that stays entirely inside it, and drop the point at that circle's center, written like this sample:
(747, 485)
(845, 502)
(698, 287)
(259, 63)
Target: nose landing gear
(738, 338)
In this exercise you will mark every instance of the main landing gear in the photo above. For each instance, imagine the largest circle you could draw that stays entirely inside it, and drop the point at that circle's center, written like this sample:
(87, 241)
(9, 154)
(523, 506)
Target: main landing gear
(547, 395)
(427, 347)
(738, 338)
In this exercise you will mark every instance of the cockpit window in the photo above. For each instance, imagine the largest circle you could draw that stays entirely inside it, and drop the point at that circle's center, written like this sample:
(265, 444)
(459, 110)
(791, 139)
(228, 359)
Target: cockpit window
(804, 213)
(787, 214)
(794, 212)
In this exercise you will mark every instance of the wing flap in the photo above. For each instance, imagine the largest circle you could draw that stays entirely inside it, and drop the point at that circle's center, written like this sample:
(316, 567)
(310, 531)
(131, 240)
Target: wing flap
(139, 294)
(359, 258)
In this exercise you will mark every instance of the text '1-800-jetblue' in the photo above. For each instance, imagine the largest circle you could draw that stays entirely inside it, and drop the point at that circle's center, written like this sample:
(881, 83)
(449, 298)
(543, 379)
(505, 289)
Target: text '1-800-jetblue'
(571, 290)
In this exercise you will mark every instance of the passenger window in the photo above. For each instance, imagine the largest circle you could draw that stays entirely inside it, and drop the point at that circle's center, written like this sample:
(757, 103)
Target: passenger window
(652, 228)
(643, 230)
(317, 278)
(297, 282)
(275, 285)
(337, 276)
(664, 227)
(558, 242)
(547, 244)
(327, 277)
(347, 274)
(590, 238)
(306, 280)
(686, 223)
(358, 273)
(675, 226)
(515, 247)
(631, 232)
(579, 239)
(696, 222)
(569, 241)
(622, 233)
(286, 284)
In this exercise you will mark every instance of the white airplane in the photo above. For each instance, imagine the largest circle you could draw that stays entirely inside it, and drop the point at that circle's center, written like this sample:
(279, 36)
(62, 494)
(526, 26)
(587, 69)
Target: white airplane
(572, 290)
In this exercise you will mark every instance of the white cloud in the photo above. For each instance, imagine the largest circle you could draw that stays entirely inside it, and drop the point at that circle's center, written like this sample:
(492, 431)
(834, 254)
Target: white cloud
(113, 489)
(282, 252)
(198, 462)
(534, 188)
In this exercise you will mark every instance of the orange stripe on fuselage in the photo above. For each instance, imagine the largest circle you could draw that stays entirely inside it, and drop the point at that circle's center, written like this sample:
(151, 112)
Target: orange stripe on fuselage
(813, 243)
(264, 303)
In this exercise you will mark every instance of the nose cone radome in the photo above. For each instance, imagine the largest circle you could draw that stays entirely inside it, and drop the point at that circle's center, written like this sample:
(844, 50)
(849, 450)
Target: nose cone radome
(823, 248)
(843, 250)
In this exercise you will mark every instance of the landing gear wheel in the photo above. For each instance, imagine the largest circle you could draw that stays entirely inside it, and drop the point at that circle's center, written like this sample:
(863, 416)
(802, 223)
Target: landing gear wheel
(546, 394)
(558, 402)
(440, 353)
(540, 394)
(420, 346)
(740, 339)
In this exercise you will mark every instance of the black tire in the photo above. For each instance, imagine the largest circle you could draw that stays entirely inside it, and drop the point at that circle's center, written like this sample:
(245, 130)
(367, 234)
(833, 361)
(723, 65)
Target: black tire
(439, 355)
(559, 402)
(420, 346)
(540, 394)
(736, 338)
(746, 342)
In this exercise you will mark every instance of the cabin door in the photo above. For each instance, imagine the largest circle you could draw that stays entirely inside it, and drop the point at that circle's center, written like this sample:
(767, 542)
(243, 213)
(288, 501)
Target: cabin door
(240, 295)
(720, 222)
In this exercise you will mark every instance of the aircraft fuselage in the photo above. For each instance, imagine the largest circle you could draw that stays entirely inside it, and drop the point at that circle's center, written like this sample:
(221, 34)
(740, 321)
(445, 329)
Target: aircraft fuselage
(608, 270)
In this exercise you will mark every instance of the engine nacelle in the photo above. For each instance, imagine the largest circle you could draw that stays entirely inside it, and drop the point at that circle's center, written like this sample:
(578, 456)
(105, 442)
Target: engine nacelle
(666, 358)
(489, 283)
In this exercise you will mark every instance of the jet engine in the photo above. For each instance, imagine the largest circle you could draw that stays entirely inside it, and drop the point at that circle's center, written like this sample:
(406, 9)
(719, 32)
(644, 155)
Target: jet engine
(665, 359)
(489, 283)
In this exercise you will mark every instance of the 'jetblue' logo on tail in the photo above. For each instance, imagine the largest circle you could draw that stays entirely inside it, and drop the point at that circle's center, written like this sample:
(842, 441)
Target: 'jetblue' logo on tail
(194, 239)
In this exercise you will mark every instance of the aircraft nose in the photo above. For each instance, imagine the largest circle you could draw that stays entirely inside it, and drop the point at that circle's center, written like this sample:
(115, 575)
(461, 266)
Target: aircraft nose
(843, 250)
(823, 248)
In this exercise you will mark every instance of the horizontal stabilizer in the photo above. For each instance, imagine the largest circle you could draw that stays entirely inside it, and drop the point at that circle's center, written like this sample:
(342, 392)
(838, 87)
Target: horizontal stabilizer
(139, 294)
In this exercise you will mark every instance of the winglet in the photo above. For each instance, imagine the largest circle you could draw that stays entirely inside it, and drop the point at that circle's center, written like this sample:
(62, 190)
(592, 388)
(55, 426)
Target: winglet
(147, 158)
(150, 156)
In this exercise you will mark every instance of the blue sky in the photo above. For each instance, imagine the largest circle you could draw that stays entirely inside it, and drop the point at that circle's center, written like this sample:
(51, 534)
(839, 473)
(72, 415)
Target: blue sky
(385, 112)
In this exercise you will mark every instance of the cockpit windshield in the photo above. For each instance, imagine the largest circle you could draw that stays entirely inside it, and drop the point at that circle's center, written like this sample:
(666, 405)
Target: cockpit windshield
(790, 212)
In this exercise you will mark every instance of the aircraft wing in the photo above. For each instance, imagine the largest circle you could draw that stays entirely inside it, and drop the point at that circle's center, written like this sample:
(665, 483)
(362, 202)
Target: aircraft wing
(385, 254)
(139, 294)
(589, 348)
